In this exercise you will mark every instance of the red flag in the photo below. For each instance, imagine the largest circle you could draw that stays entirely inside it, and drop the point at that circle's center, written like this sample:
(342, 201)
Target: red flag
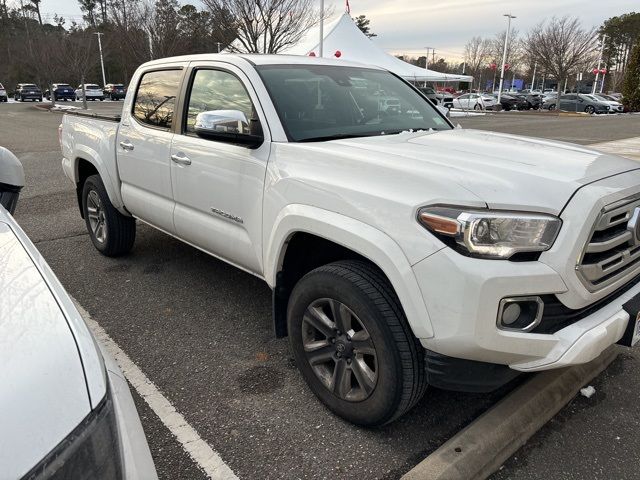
(348, 7)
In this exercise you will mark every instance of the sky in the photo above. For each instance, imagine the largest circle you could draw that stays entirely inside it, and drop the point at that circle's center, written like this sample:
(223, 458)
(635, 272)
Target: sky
(408, 26)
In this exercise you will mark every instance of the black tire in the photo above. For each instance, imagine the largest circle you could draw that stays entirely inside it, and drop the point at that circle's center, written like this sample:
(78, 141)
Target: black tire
(552, 106)
(400, 375)
(119, 230)
(477, 106)
(590, 109)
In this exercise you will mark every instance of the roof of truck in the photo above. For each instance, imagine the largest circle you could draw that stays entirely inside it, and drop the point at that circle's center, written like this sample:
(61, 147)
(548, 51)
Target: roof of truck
(257, 59)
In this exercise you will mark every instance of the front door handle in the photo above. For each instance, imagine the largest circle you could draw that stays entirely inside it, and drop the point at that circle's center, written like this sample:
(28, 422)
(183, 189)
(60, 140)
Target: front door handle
(181, 159)
(126, 145)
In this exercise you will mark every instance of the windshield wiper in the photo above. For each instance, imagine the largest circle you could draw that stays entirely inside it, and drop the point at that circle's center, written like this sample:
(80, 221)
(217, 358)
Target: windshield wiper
(338, 136)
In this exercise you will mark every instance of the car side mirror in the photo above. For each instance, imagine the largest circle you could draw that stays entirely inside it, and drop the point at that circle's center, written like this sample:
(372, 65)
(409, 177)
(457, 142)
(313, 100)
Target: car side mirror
(229, 126)
(443, 110)
(11, 179)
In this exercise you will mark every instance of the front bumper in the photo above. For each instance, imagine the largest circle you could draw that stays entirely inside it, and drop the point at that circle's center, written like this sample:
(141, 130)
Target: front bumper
(463, 304)
(462, 295)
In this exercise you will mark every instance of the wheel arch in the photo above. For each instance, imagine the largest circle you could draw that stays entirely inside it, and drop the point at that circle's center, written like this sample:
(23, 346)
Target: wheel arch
(86, 162)
(300, 231)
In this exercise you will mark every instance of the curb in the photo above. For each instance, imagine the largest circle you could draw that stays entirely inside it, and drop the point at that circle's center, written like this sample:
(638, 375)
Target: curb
(482, 447)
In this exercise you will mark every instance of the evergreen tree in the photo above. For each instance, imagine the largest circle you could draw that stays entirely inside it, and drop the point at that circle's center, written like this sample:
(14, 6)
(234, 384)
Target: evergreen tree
(631, 85)
(362, 22)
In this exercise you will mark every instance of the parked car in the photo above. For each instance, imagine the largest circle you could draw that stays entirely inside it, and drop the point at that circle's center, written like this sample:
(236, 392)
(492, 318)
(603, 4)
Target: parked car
(513, 102)
(614, 105)
(533, 101)
(475, 101)
(27, 91)
(430, 93)
(572, 102)
(3, 94)
(114, 91)
(94, 92)
(61, 91)
(445, 99)
(66, 409)
(402, 252)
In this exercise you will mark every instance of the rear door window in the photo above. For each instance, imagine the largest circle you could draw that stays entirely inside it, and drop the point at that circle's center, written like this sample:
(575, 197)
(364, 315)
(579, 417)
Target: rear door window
(156, 98)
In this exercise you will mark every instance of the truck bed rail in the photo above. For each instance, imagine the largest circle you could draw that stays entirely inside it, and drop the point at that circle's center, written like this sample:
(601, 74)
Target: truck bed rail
(99, 116)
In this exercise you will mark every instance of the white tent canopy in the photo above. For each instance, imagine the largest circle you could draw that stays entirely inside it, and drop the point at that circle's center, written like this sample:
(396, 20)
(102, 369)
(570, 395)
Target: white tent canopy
(342, 35)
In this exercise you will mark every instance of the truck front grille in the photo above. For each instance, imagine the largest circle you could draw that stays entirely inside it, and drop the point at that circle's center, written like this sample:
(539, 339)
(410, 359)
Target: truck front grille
(613, 250)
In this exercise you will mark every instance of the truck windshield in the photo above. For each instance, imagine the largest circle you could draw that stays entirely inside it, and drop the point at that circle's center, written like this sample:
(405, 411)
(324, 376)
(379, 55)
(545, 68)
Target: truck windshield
(320, 102)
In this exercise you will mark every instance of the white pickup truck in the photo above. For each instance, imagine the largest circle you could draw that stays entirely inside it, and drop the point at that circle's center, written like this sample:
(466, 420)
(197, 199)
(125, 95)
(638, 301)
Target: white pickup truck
(402, 252)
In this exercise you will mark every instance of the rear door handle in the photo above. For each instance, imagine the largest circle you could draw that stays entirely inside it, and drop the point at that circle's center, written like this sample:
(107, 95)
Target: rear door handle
(180, 159)
(126, 145)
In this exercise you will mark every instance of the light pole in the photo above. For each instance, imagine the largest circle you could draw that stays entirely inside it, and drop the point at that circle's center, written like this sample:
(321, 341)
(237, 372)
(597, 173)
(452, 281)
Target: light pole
(595, 82)
(320, 48)
(99, 34)
(426, 62)
(533, 80)
(504, 54)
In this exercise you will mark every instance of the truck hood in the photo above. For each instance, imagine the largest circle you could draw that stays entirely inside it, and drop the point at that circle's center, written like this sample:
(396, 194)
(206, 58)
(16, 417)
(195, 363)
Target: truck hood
(504, 171)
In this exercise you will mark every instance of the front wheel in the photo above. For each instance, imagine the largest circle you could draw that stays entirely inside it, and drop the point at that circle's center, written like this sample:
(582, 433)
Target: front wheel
(111, 232)
(552, 106)
(477, 107)
(353, 345)
(590, 109)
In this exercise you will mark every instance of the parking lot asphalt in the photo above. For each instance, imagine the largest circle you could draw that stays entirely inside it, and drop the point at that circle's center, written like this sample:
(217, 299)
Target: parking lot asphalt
(201, 331)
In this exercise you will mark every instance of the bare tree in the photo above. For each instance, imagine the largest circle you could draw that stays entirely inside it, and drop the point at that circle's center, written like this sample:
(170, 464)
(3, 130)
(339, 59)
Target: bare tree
(561, 47)
(476, 53)
(514, 48)
(265, 26)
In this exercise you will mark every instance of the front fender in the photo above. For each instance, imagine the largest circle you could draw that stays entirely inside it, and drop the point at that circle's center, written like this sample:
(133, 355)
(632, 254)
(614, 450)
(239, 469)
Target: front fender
(363, 239)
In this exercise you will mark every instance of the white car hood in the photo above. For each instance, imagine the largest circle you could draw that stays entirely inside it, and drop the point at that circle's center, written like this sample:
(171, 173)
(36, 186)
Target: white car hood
(504, 171)
(43, 391)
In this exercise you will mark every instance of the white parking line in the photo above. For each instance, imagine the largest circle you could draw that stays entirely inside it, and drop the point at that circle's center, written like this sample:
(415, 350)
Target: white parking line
(628, 147)
(200, 451)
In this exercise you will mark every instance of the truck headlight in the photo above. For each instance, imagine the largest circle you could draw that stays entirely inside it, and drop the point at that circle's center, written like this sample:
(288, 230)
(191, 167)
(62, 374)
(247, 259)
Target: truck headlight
(491, 234)
(91, 450)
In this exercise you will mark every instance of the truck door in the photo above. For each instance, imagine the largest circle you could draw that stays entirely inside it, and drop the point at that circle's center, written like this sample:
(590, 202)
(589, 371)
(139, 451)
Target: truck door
(143, 148)
(217, 180)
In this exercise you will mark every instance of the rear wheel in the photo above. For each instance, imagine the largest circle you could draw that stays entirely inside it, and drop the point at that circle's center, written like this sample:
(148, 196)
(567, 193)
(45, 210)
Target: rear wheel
(353, 345)
(552, 106)
(111, 232)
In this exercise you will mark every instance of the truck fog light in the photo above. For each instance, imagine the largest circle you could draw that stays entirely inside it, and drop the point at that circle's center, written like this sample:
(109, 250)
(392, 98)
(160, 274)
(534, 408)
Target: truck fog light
(511, 313)
(521, 314)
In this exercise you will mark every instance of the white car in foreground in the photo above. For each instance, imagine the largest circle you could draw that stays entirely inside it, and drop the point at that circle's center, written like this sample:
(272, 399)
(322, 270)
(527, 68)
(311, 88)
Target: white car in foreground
(93, 92)
(475, 101)
(402, 252)
(65, 408)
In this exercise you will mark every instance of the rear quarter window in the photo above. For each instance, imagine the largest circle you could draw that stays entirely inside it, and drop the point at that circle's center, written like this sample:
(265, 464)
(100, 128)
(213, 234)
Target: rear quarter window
(154, 104)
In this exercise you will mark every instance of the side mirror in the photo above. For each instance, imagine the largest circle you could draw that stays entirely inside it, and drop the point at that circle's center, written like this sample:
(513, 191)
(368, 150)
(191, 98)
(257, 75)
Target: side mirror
(443, 110)
(11, 179)
(229, 126)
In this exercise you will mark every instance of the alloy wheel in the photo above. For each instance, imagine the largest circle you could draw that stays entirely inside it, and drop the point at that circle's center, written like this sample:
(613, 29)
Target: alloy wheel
(97, 220)
(339, 350)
